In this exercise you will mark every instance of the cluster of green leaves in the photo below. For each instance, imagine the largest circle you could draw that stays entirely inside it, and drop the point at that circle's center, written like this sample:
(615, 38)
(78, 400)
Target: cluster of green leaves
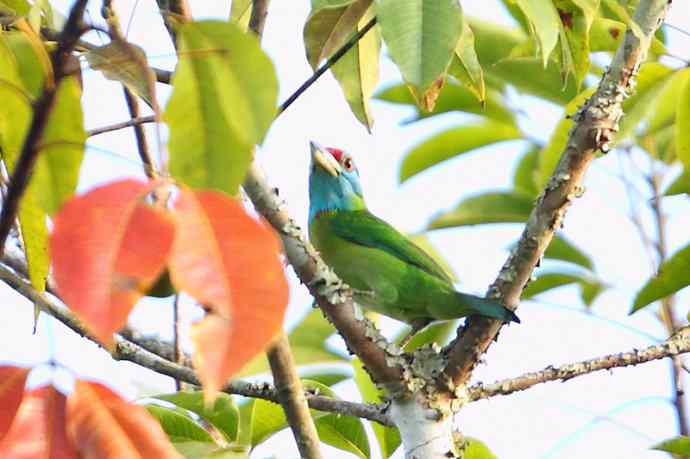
(25, 68)
(554, 40)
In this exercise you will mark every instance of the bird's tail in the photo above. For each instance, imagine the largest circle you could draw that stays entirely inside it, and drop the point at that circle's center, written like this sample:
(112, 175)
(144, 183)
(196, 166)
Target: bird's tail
(487, 307)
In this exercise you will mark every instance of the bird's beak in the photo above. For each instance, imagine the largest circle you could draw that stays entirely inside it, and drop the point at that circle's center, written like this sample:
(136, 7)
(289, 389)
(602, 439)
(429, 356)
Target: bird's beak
(323, 159)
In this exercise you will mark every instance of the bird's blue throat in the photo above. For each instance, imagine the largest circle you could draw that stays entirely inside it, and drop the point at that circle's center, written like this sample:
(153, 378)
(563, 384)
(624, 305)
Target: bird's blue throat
(328, 193)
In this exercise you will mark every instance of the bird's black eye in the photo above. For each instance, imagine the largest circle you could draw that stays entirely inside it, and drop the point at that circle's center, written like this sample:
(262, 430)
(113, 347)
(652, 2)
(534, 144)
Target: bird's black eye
(348, 164)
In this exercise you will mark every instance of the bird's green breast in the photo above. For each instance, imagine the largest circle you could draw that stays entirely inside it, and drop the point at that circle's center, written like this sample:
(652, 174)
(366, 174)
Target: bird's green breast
(383, 281)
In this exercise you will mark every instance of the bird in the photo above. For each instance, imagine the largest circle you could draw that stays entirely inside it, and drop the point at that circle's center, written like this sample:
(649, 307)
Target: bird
(387, 272)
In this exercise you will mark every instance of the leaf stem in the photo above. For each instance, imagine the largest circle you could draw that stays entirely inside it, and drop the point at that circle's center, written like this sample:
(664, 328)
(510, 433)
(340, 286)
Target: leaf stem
(328, 64)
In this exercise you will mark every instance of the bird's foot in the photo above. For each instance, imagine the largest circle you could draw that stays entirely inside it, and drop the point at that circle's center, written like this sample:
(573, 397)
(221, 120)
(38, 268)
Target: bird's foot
(368, 293)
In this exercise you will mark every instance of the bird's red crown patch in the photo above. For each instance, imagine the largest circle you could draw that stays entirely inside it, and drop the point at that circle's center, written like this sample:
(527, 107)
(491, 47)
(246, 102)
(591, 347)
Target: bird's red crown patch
(337, 154)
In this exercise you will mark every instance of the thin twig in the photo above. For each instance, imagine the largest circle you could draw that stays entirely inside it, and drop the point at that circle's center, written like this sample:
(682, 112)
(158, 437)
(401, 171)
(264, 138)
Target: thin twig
(42, 108)
(291, 395)
(667, 303)
(140, 134)
(595, 125)
(110, 16)
(172, 11)
(127, 350)
(674, 346)
(329, 63)
(125, 124)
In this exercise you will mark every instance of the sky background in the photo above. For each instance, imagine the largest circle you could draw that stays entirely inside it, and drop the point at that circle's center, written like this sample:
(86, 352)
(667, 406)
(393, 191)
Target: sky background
(617, 414)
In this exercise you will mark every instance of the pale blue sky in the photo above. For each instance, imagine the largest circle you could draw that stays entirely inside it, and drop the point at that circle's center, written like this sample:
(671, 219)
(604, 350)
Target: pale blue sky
(603, 415)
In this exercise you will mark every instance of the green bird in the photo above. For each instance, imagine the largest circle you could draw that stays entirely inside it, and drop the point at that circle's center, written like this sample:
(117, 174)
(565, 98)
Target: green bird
(387, 272)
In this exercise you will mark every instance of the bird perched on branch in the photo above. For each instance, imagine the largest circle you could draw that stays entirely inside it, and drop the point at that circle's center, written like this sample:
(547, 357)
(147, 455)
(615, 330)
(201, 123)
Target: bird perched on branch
(387, 272)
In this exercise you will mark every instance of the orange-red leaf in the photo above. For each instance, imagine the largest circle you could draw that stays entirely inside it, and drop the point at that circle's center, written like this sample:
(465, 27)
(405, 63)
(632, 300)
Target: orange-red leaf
(12, 380)
(39, 431)
(230, 262)
(102, 425)
(108, 247)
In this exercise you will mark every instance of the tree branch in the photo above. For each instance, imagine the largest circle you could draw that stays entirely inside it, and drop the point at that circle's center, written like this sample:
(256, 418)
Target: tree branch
(125, 124)
(41, 112)
(595, 124)
(291, 395)
(127, 350)
(673, 347)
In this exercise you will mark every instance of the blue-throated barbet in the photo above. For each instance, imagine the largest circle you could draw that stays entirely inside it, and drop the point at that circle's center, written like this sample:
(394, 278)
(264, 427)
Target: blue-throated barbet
(388, 272)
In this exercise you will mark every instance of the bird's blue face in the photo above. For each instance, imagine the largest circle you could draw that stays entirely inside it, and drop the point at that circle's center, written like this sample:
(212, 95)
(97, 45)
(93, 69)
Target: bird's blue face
(333, 181)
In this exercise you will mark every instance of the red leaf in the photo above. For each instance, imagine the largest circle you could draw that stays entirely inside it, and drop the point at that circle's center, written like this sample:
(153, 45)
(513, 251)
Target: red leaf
(108, 247)
(39, 428)
(12, 380)
(230, 262)
(102, 426)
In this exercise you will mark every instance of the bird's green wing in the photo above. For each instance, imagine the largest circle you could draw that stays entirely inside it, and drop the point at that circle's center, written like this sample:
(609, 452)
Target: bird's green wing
(363, 228)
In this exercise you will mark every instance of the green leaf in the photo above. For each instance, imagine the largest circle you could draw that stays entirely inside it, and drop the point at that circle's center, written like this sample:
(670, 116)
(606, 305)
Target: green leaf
(590, 290)
(494, 42)
(329, 25)
(550, 154)
(329, 377)
(477, 449)
(680, 185)
(31, 58)
(683, 124)
(544, 24)
(679, 445)
(453, 142)
(223, 102)
(15, 116)
(203, 450)
(606, 34)
(15, 7)
(524, 177)
(672, 276)
(666, 103)
(307, 342)
(576, 18)
(438, 333)
(453, 97)
(57, 168)
(222, 414)
(421, 37)
(125, 62)
(345, 433)
(357, 72)
(241, 13)
(639, 106)
(177, 426)
(520, 73)
(564, 250)
(549, 281)
(492, 207)
(465, 67)
(388, 437)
